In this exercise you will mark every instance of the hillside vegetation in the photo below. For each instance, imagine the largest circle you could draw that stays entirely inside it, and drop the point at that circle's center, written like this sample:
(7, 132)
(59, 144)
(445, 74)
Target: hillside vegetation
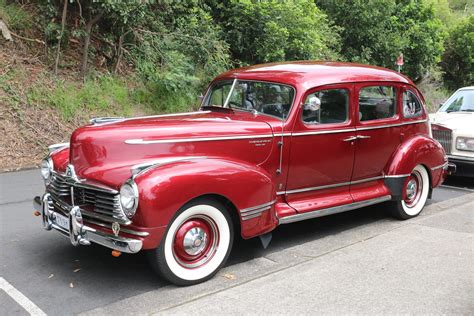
(64, 61)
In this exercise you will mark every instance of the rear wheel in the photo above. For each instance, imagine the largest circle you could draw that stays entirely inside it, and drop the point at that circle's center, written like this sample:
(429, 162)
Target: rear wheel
(196, 245)
(414, 194)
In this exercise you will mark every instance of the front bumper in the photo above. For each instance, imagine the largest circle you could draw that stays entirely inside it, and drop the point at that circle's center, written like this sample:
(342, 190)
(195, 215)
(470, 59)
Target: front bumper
(464, 165)
(79, 233)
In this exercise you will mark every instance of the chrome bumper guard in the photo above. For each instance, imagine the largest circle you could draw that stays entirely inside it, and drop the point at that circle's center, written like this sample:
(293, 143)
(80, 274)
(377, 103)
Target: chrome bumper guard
(79, 233)
(451, 169)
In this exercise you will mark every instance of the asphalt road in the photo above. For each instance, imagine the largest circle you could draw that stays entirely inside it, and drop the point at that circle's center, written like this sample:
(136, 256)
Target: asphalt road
(61, 279)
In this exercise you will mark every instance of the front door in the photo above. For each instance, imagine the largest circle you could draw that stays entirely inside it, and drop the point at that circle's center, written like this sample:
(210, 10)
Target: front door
(322, 150)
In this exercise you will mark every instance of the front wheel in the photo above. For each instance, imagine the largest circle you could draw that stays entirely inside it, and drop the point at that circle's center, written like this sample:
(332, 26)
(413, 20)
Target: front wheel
(414, 194)
(196, 245)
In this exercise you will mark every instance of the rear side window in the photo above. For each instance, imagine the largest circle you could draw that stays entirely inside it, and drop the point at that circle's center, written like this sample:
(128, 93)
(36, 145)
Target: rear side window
(326, 106)
(411, 105)
(377, 102)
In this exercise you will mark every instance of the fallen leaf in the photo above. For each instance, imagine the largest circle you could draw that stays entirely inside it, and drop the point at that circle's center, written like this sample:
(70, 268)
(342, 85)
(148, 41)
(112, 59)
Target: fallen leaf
(50, 276)
(71, 285)
(77, 270)
(229, 276)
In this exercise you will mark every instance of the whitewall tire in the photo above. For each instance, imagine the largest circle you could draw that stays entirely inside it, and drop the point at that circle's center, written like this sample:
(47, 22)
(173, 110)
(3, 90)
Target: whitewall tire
(414, 194)
(196, 244)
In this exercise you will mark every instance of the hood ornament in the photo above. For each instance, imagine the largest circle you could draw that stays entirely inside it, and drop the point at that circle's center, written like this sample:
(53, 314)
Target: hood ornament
(115, 228)
(71, 173)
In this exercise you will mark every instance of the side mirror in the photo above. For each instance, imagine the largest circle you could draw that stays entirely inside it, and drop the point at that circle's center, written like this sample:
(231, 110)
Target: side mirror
(440, 105)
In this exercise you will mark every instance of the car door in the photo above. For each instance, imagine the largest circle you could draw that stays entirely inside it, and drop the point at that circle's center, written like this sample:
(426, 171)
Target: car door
(378, 136)
(322, 149)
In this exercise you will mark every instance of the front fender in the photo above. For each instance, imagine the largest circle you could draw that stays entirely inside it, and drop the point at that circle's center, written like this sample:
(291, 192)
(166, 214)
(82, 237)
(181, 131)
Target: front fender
(416, 150)
(164, 189)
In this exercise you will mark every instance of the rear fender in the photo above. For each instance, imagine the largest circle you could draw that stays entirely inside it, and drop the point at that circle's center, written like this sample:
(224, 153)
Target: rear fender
(164, 189)
(419, 149)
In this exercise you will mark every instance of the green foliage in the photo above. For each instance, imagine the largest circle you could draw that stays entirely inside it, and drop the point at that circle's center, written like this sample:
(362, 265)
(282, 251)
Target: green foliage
(15, 16)
(178, 50)
(458, 58)
(377, 31)
(104, 95)
(266, 31)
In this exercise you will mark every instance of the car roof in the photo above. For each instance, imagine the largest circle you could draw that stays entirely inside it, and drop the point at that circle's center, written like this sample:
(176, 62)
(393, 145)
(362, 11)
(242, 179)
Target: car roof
(315, 73)
(466, 88)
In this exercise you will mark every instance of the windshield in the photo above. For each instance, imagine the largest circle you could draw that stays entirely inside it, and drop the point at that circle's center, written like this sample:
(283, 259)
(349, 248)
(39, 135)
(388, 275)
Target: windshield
(461, 101)
(256, 96)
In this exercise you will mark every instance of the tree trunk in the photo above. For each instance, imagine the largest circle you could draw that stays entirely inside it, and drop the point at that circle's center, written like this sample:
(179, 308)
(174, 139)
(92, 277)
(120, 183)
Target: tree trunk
(119, 54)
(87, 40)
(58, 50)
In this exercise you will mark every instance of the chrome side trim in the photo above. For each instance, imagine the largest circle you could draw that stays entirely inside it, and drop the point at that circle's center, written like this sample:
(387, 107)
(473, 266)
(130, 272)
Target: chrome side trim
(332, 210)
(55, 147)
(140, 141)
(331, 185)
(367, 180)
(445, 165)
(255, 211)
(282, 134)
(397, 176)
(257, 207)
(390, 125)
(143, 167)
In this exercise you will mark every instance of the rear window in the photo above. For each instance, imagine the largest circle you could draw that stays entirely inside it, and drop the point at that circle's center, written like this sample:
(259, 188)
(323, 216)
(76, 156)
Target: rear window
(411, 105)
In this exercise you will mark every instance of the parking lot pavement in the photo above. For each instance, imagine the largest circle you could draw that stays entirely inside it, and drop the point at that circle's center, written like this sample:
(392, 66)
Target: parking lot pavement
(359, 261)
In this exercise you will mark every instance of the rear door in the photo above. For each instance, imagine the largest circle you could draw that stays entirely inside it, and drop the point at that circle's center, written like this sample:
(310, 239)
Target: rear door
(378, 136)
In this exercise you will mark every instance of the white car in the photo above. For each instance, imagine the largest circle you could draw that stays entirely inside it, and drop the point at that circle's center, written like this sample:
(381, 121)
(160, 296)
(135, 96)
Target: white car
(453, 126)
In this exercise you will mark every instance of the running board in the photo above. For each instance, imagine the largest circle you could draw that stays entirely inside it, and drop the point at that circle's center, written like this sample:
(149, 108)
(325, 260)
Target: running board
(332, 210)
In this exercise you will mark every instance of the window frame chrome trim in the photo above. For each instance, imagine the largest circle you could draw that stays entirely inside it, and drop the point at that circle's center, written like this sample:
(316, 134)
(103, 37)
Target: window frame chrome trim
(391, 125)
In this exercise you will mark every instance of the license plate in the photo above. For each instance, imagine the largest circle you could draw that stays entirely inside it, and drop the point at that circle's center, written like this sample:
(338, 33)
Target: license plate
(62, 221)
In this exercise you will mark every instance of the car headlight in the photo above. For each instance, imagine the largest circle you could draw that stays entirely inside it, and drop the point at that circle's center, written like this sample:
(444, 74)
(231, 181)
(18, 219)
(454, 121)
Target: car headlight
(465, 143)
(129, 198)
(46, 168)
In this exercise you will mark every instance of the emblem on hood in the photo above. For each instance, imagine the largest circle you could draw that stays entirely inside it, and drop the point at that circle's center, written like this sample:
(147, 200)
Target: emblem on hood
(70, 172)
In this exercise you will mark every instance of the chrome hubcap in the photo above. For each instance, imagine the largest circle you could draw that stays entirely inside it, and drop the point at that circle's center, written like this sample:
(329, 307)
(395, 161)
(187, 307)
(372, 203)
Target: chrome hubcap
(195, 241)
(411, 189)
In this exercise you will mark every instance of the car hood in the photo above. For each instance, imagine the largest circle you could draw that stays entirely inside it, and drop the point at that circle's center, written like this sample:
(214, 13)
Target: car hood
(106, 152)
(456, 121)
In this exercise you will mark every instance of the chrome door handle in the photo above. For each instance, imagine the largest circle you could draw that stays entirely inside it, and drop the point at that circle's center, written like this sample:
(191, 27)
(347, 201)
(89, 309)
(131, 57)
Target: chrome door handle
(350, 139)
(362, 137)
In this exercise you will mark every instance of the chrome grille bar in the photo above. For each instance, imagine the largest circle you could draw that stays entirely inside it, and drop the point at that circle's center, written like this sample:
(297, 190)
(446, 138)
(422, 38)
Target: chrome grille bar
(444, 137)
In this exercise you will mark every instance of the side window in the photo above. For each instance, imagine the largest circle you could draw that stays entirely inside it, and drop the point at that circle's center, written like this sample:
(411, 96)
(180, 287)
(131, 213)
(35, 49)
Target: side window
(326, 106)
(377, 102)
(411, 105)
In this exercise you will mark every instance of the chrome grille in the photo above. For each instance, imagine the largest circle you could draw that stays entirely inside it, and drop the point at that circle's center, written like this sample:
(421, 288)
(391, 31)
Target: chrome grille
(58, 186)
(444, 137)
(95, 203)
(104, 203)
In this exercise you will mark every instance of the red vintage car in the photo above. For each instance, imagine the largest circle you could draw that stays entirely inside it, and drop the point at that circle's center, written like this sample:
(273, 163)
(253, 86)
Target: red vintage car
(271, 144)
